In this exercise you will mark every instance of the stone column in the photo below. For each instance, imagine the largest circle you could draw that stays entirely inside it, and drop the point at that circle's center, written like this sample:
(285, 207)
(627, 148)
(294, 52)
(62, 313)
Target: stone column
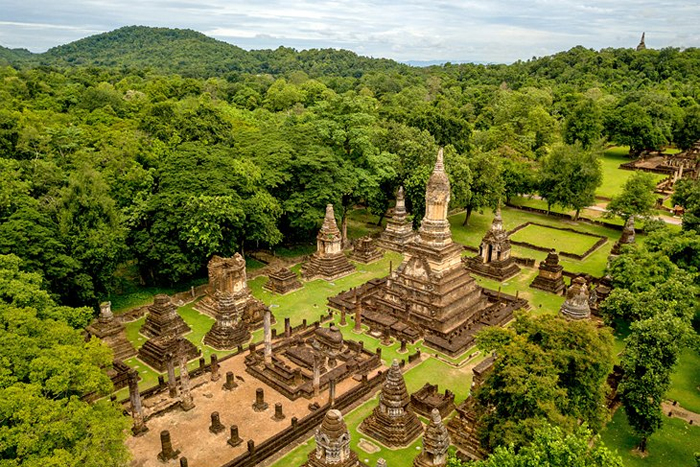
(358, 317)
(234, 440)
(331, 392)
(186, 399)
(260, 405)
(403, 348)
(214, 367)
(172, 384)
(343, 321)
(183, 462)
(279, 414)
(268, 337)
(287, 327)
(230, 383)
(216, 427)
(317, 375)
(166, 448)
(136, 407)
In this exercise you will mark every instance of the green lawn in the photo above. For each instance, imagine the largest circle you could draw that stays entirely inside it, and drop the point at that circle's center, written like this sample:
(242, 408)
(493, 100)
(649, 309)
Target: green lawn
(614, 178)
(672, 446)
(546, 237)
(685, 382)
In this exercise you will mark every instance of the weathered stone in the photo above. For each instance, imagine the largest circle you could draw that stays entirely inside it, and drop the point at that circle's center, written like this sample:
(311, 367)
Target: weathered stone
(282, 281)
(230, 383)
(163, 319)
(112, 333)
(399, 230)
(577, 305)
(216, 426)
(154, 351)
(214, 367)
(329, 261)
(139, 427)
(332, 444)
(167, 452)
(627, 238)
(234, 440)
(436, 442)
(227, 278)
(229, 330)
(550, 277)
(428, 398)
(641, 45)
(260, 405)
(494, 260)
(186, 399)
(365, 251)
(279, 414)
(393, 422)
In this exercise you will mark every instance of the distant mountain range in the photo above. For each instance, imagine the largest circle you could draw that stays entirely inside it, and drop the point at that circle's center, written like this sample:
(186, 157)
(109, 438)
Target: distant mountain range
(191, 53)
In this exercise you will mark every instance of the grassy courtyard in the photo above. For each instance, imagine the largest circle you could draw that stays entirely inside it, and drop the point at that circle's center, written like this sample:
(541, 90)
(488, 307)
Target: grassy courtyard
(614, 178)
(546, 237)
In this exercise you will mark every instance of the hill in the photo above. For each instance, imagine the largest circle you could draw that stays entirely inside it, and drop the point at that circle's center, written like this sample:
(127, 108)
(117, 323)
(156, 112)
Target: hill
(193, 54)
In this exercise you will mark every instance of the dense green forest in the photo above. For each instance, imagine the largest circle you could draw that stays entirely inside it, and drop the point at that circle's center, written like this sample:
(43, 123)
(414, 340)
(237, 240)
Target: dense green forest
(150, 150)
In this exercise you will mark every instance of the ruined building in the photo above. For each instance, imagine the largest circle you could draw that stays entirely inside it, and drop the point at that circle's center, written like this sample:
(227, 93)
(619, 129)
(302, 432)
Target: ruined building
(227, 278)
(332, 444)
(551, 275)
(365, 251)
(436, 442)
(393, 422)
(431, 294)
(112, 333)
(282, 281)
(165, 327)
(329, 261)
(642, 45)
(229, 330)
(399, 230)
(463, 426)
(627, 237)
(494, 260)
(577, 305)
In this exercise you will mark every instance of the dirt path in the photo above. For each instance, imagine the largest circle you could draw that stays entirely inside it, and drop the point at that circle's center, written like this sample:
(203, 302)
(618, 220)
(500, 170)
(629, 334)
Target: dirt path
(676, 411)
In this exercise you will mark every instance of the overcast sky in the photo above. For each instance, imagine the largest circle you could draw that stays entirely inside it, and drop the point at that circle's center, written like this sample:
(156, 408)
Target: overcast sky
(482, 31)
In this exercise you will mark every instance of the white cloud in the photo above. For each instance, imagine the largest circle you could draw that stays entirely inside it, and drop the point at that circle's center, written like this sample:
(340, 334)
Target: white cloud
(483, 30)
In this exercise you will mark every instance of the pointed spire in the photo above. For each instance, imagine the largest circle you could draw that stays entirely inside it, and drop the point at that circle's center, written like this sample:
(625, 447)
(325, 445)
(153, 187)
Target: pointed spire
(497, 219)
(329, 224)
(399, 194)
(439, 163)
(642, 45)
(436, 442)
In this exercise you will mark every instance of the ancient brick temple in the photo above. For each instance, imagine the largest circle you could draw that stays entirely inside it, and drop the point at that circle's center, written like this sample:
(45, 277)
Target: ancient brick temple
(393, 422)
(227, 278)
(428, 398)
(329, 261)
(309, 361)
(365, 251)
(165, 327)
(282, 281)
(112, 333)
(577, 306)
(494, 260)
(627, 237)
(463, 426)
(332, 444)
(431, 294)
(163, 319)
(399, 230)
(550, 277)
(229, 330)
(436, 442)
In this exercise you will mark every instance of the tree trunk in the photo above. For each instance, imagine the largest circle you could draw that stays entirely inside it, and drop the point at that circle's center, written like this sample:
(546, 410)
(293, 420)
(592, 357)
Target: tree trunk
(643, 444)
(467, 216)
(578, 211)
(344, 228)
(381, 218)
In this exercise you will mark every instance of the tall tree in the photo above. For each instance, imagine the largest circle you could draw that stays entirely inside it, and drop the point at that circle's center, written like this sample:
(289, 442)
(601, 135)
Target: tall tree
(637, 197)
(687, 194)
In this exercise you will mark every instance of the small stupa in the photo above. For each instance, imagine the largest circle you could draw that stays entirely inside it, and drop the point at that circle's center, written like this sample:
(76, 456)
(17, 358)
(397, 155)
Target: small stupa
(399, 230)
(328, 262)
(577, 305)
(551, 275)
(112, 333)
(436, 442)
(332, 444)
(494, 260)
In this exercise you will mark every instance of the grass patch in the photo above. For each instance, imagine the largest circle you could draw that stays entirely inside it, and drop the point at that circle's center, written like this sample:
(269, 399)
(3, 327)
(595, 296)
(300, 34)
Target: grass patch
(685, 382)
(673, 445)
(614, 178)
(547, 237)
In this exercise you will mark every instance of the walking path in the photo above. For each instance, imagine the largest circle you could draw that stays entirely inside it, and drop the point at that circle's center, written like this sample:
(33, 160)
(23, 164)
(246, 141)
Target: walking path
(676, 411)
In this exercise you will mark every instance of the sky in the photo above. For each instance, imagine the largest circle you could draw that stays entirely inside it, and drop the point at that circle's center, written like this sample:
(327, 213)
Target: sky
(492, 31)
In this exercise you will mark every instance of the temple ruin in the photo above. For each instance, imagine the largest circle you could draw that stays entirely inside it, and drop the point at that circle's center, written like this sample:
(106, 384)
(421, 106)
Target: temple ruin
(399, 230)
(463, 426)
(310, 361)
(431, 294)
(328, 262)
(550, 277)
(165, 327)
(436, 442)
(494, 260)
(627, 237)
(393, 422)
(229, 330)
(332, 444)
(111, 331)
(642, 45)
(577, 305)
(365, 251)
(227, 278)
(282, 281)
(429, 398)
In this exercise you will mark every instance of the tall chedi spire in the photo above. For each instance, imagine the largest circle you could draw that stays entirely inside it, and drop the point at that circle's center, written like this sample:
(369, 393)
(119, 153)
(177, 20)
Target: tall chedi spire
(436, 442)
(399, 230)
(435, 229)
(642, 45)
